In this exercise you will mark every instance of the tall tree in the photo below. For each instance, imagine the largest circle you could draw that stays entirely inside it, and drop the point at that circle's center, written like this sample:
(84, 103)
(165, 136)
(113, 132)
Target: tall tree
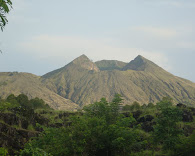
(5, 6)
(166, 130)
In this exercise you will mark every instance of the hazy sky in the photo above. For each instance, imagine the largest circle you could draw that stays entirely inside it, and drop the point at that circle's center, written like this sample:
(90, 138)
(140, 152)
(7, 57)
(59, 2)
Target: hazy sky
(43, 35)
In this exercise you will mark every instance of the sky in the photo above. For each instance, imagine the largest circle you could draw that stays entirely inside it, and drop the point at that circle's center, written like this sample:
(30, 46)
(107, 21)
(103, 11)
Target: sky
(43, 35)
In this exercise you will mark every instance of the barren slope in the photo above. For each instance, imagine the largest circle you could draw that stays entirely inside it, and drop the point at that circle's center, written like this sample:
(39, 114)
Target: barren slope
(30, 85)
(140, 80)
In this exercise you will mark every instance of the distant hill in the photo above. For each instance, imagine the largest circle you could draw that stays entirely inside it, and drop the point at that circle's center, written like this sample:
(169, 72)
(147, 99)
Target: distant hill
(82, 82)
(30, 85)
(141, 80)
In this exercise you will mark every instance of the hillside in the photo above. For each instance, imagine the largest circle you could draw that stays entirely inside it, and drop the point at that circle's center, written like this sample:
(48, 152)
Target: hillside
(30, 85)
(29, 127)
(140, 80)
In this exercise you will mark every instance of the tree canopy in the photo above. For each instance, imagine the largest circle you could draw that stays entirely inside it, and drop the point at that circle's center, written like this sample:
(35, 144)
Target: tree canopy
(5, 6)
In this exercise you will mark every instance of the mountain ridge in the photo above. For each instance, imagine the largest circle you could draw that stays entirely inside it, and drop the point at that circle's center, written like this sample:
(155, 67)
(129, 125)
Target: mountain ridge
(139, 80)
(140, 63)
(110, 64)
(82, 82)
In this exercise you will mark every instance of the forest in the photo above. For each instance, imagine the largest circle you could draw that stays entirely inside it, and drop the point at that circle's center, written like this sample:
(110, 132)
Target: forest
(32, 128)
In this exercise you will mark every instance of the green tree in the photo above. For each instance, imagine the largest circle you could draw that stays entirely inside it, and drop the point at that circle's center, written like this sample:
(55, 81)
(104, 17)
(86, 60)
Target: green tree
(33, 152)
(101, 130)
(3, 151)
(55, 141)
(166, 130)
(186, 147)
(23, 100)
(126, 108)
(135, 106)
(5, 6)
(37, 103)
(110, 111)
(12, 99)
(150, 105)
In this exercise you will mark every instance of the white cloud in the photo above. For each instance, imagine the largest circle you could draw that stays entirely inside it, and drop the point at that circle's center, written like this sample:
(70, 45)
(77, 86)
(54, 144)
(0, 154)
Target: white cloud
(157, 32)
(173, 3)
(187, 44)
(155, 38)
(65, 48)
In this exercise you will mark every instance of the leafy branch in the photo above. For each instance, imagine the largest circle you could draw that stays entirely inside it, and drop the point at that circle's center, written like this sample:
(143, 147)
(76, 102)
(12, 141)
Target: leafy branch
(5, 6)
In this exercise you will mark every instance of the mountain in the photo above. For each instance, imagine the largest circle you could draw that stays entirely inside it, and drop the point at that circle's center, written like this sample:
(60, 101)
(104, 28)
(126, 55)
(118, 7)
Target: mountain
(141, 80)
(80, 63)
(141, 64)
(110, 64)
(30, 85)
(82, 82)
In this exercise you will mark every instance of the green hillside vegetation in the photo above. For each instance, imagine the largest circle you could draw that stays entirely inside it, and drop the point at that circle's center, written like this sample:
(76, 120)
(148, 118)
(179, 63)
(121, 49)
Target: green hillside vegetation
(140, 80)
(101, 128)
(18, 121)
(21, 118)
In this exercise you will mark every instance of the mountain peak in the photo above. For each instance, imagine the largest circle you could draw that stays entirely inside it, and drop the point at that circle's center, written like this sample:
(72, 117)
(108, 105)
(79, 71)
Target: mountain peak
(84, 62)
(141, 58)
(140, 63)
(81, 59)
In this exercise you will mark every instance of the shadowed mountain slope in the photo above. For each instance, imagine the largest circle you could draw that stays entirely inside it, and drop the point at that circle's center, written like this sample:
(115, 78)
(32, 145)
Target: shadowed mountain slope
(142, 64)
(30, 85)
(140, 80)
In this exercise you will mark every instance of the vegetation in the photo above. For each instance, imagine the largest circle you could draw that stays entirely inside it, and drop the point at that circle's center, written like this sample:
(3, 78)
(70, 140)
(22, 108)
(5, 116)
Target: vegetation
(19, 121)
(166, 131)
(101, 128)
(22, 101)
(5, 6)
(3, 151)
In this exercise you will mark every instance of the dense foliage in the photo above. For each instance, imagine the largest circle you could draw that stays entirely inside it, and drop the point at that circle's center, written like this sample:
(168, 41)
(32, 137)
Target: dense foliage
(22, 102)
(4, 9)
(19, 121)
(103, 130)
(166, 131)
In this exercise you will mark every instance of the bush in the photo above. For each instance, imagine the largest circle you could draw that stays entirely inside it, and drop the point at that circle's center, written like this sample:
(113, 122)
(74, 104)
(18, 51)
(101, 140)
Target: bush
(30, 151)
(186, 146)
(3, 151)
(101, 130)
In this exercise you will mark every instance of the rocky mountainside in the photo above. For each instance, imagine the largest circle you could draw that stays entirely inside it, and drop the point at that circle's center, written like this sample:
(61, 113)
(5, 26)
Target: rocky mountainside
(82, 82)
(141, 80)
(142, 64)
(30, 85)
